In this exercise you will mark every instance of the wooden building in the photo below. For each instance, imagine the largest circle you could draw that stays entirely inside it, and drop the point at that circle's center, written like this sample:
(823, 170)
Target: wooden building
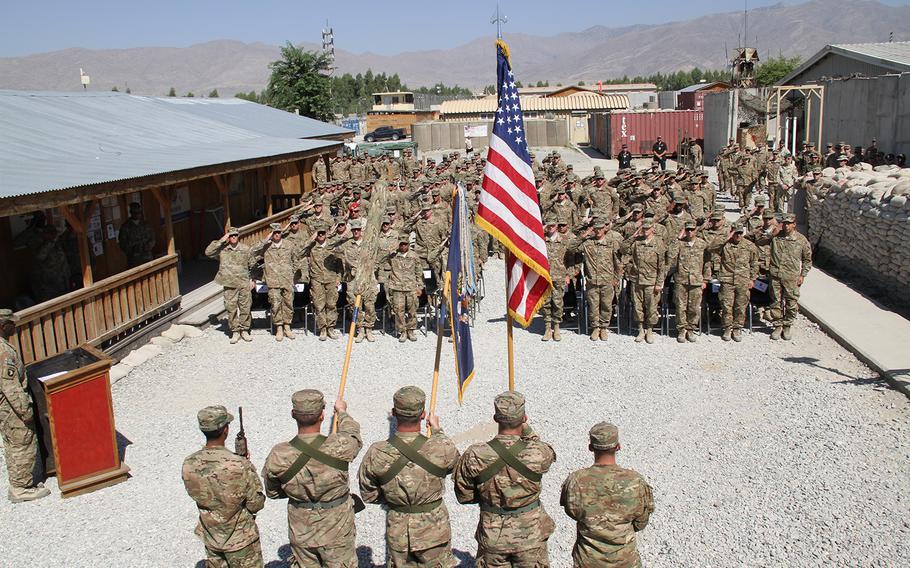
(693, 96)
(77, 160)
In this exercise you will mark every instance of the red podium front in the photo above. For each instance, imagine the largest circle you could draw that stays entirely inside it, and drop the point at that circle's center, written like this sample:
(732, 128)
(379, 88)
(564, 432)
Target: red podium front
(73, 394)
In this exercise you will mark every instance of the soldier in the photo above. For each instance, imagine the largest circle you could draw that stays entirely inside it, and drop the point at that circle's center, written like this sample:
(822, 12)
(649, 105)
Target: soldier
(311, 472)
(625, 158)
(609, 503)
(564, 209)
(504, 477)
(405, 284)
(790, 259)
(691, 276)
(320, 175)
(227, 492)
(339, 169)
(786, 181)
(603, 270)
(17, 419)
(753, 220)
(738, 271)
(49, 270)
(351, 251)
(407, 474)
(647, 258)
(325, 278)
(552, 308)
(280, 261)
(695, 155)
(317, 215)
(234, 263)
(136, 238)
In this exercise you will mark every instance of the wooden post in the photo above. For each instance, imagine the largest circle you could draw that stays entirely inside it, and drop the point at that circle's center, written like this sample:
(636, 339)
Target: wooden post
(225, 199)
(79, 227)
(163, 196)
(511, 352)
(265, 182)
(347, 357)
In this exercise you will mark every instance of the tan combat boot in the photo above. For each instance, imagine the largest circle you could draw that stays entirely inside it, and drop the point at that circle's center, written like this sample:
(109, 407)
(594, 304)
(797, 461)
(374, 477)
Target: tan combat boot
(595, 335)
(775, 335)
(288, 333)
(649, 336)
(358, 338)
(604, 334)
(245, 335)
(368, 334)
(726, 335)
(641, 335)
(279, 333)
(331, 333)
(412, 335)
(737, 335)
(691, 336)
(681, 336)
(323, 335)
(402, 336)
(22, 494)
(786, 334)
(547, 333)
(235, 337)
(556, 335)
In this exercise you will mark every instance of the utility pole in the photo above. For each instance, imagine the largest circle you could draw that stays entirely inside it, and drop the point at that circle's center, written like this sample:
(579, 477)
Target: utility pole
(328, 48)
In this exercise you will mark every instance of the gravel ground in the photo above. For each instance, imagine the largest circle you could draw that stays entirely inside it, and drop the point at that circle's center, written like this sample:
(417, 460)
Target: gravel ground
(760, 453)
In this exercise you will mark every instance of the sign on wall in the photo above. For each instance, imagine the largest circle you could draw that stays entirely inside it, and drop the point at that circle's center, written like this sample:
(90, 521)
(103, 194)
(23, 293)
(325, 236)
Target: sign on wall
(475, 131)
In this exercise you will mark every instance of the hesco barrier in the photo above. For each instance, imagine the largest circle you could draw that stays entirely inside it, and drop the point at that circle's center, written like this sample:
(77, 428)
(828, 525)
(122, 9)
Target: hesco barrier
(438, 135)
(640, 129)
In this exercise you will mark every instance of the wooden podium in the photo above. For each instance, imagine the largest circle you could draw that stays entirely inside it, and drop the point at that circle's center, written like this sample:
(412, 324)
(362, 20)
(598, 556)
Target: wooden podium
(76, 433)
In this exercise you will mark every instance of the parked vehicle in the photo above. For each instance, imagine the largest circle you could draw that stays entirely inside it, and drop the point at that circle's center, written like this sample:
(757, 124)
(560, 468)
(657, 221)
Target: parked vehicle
(385, 133)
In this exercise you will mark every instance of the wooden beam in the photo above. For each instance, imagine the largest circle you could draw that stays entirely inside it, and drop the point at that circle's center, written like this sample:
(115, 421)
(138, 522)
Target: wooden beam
(79, 226)
(163, 196)
(225, 200)
(265, 181)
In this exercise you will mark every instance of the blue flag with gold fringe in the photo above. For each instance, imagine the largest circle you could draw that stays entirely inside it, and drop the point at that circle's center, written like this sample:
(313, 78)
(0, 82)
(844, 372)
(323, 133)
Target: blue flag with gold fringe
(459, 288)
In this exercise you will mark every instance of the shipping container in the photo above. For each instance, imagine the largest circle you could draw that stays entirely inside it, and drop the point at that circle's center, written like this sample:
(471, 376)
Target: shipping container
(640, 129)
(667, 100)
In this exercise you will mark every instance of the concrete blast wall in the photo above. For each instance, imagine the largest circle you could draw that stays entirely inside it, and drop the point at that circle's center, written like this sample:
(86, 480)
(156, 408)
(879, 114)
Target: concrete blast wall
(450, 135)
(717, 123)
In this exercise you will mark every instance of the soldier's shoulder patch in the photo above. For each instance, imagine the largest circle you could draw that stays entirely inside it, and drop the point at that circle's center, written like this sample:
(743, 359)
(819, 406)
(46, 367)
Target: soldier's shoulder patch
(9, 372)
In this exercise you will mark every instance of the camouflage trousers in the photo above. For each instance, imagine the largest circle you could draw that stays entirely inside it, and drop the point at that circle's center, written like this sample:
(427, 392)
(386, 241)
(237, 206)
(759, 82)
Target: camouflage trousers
(537, 557)
(779, 198)
(325, 303)
(250, 556)
(646, 304)
(552, 308)
(744, 194)
(594, 553)
(436, 557)
(367, 315)
(339, 556)
(404, 308)
(282, 302)
(688, 306)
(237, 303)
(21, 450)
(784, 301)
(600, 304)
(734, 300)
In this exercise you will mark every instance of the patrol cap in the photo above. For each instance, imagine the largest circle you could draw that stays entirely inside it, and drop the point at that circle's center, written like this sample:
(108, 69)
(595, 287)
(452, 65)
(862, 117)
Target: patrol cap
(308, 402)
(647, 223)
(276, 227)
(509, 407)
(233, 232)
(404, 238)
(295, 218)
(357, 224)
(638, 207)
(549, 220)
(767, 214)
(717, 215)
(320, 227)
(599, 223)
(604, 436)
(213, 418)
(7, 314)
(690, 224)
(435, 192)
(842, 158)
(386, 220)
(679, 198)
(788, 218)
(409, 402)
(738, 228)
(761, 200)
(391, 209)
(135, 206)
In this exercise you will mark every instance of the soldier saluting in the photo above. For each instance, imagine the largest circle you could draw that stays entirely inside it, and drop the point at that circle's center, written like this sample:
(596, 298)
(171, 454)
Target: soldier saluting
(234, 263)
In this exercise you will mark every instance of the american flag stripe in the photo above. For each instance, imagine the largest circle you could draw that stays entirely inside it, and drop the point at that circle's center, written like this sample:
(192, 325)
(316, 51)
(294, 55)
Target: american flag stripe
(513, 226)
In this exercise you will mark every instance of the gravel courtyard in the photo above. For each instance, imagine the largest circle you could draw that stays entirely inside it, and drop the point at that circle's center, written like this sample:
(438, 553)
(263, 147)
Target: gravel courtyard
(760, 453)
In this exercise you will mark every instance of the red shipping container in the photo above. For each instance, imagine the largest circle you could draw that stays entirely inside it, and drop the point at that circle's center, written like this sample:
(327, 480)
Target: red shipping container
(640, 129)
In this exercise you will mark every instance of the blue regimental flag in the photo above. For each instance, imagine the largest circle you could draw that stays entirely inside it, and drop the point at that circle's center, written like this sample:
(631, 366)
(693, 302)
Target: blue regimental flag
(459, 288)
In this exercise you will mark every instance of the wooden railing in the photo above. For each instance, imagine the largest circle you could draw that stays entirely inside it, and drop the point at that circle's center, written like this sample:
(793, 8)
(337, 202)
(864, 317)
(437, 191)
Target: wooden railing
(102, 311)
(258, 231)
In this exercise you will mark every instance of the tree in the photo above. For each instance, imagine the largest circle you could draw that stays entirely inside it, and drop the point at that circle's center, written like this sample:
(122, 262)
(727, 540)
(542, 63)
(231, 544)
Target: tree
(581, 83)
(489, 90)
(189, 95)
(213, 94)
(773, 70)
(251, 96)
(115, 89)
(298, 82)
(172, 92)
(128, 91)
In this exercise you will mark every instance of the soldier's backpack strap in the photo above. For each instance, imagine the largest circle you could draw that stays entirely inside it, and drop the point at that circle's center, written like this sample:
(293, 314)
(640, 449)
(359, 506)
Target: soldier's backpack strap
(507, 457)
(410, 454)
(308, 452)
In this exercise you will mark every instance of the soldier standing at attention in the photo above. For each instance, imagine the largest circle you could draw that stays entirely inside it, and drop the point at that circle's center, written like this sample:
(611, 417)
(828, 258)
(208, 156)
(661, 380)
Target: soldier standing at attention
(17, 419)
(647, 257)
(234, 260)
(659, 152)
(407, 473)
(603, 270)
(504, 477)
(280, 261)
(311, 472)
(320, 174)
(136, 238)
(625, 158)
(692, 274)
(738, 270)
(325, 277)
(552, 308)
(609, 503)
(790, 260)
(351, 251)
(405, 283)
(227, 492)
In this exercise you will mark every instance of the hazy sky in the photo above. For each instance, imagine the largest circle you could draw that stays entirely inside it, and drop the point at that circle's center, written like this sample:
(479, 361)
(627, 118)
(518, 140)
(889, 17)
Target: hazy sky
(34, 26)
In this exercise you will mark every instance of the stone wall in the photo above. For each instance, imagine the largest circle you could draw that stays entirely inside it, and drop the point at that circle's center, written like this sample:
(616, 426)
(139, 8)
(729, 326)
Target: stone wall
(859, 221)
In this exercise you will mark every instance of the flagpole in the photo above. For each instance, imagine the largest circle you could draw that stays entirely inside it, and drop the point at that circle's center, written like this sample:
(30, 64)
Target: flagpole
(439, 332)
(509, 348)
(347, 357)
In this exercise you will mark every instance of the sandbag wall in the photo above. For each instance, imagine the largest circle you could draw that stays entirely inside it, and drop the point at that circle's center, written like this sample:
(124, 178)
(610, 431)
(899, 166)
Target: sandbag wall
(449, 135)
(860, 222)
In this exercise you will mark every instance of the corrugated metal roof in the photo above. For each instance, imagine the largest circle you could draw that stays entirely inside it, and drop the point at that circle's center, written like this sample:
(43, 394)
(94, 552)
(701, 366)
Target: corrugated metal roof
(54, 141)
(255, 117)
(576, 102)
(892, 55)
(700, 86)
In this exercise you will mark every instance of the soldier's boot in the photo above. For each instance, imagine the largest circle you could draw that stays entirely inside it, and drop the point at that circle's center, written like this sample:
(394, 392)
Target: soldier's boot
(22, 494)
(331, 333)
(279, 333)
(604, 334)
(245, 335)
(775, 335)
(737, 335)
(786, 334)
(727, 333)
(641, 334)
(681, 336)
(595, 335)
(649, 336)
(402, 336)
(359, 337)
(235, 337)
(691, 336)
(412, 335)
(368, 335)
(547, 333)
(556, 335)
(288, 333)
(323, 335)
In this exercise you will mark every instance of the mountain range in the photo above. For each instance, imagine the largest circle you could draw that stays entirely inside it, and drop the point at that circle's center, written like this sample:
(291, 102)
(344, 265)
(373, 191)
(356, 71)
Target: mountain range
(597, 53)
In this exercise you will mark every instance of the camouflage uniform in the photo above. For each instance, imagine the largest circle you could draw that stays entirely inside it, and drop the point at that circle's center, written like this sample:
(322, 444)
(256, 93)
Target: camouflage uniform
(603, 270)
(320, 175)
(280, 262)
(790, 259)
(418, 532)
(351, 251)
(610, 504)
(691, 274)
(234, 275)
(320, 507)
(552, 308)
(429, 234)
(49, 272)
(405, 280)
(514, 527)
(228, 493)
(738, 269)
(136, 239)
(325, 276)
(647, 259)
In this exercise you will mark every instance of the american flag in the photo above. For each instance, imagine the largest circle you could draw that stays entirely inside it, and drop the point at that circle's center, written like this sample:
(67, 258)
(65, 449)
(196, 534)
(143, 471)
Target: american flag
(509, 209)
